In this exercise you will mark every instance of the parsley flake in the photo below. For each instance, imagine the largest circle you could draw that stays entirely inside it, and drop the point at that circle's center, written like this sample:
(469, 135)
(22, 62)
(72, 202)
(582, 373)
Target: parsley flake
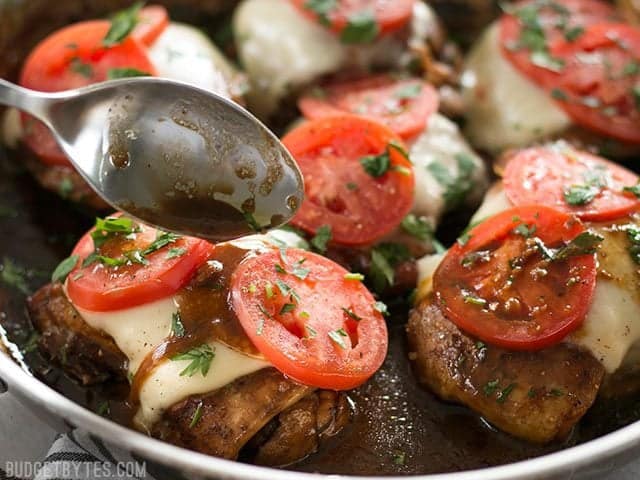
(200, 359)
(64, 269)
(321, 238)
(122, 23)
(337, 336)
(361, 28)
(177, 327)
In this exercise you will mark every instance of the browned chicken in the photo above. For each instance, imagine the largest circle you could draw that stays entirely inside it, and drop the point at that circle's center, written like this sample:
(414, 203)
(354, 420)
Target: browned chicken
(538, 396)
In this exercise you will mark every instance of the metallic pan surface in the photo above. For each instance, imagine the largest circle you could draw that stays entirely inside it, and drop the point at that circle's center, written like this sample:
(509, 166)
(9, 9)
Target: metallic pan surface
(24, 22)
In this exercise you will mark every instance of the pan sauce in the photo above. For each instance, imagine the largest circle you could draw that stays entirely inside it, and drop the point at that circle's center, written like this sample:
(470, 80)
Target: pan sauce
(398, 427)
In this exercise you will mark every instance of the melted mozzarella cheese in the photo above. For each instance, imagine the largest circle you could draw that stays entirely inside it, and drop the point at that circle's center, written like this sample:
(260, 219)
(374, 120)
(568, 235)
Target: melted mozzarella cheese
(280, 49)
(138, 330)
(504, 108)
(611, 329)
(441, 143)
(184, 53)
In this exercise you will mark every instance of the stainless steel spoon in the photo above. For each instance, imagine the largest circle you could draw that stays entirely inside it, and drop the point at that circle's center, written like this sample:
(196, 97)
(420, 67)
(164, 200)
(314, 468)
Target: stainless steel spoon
(172, 155)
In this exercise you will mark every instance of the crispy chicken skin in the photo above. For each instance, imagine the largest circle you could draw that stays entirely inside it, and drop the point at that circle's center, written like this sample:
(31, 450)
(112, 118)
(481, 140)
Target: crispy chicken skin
(537, 396)
(85, 353)
(283, 421)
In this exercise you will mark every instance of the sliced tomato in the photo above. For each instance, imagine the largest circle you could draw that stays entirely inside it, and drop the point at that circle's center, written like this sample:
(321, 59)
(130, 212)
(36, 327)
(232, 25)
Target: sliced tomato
(558, 176)
(320, 328)
(600, 85)
(98, 287)
(499, 288)
(404, 105)
(533, 30)
(152, 21)
(359, 207)
(70, 58)
(385, 16)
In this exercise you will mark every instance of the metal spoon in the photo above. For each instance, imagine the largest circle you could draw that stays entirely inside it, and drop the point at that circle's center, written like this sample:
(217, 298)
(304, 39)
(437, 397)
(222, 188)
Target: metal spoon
(170, 154)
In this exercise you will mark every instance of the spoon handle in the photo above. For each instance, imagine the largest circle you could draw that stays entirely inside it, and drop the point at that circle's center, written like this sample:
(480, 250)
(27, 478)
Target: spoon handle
(30, 101)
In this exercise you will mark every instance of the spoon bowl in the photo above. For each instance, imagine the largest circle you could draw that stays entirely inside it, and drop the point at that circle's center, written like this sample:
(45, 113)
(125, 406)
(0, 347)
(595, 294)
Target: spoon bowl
(172, 155)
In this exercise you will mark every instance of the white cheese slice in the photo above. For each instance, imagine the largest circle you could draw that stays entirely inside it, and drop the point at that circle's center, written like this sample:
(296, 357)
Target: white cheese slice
(184, 53)
(280, 49)
(505, 109)
(442, 143)
(138, 330)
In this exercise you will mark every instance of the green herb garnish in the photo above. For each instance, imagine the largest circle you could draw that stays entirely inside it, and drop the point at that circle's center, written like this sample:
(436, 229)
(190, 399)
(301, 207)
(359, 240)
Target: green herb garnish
(321, 239)
(64, 268)
(122, 23)
(361, 28)
(200, 359)
(177, 327)
(338, 337)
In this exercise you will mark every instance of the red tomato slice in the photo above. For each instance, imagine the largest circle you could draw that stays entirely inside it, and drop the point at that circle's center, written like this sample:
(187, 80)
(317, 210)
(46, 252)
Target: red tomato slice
(559, 22)
(321, 330)
(546, 175)
(403, 105)
(600, 84)
(499, 288)
(152, 21)
(388, 16)
(101, 288)
(359, 207)
(70, 58)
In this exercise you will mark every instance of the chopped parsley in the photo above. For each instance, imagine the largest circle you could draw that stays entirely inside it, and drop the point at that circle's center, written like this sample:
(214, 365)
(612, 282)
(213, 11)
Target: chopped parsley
(252, 223)
(64, 268)
(491, 387)
(162, 240)
(199, 358)
(338, 336)
(354, 276)
(574, 33)
(104, 409)
(399, 458)
(176, 252)
(633, 234)
(584, 244)
(421, 228)
(197, 415)
(525, 230)
(65, 187)
(116, 73)
(311, 331)
(177, 327)
(109, 227)
(381, 307)
(287, 308)
(474, 300)
(505, 392)
(577, 195)
(384, 258)
(350, 313)
(322, 8)
(122, 23)
(321, 239)
(411, 90)
(299, 271)
(376, 165)
(456, 188)
(361, 28)
(15, 276)
(559, 94)
(81, 68)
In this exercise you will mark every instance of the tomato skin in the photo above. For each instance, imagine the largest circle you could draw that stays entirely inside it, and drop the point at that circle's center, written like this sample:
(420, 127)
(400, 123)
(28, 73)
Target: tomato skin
(528, 312)
(380, 98)
(152, 21)
(50, 68)
(309, 355)
(611, 86)
(328, 152)
(389, 16)
(541, 175)
(101, 289)
(581, 13)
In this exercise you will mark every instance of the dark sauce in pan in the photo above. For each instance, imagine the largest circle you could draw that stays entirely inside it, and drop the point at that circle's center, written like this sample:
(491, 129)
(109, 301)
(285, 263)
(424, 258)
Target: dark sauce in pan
(397, 426)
